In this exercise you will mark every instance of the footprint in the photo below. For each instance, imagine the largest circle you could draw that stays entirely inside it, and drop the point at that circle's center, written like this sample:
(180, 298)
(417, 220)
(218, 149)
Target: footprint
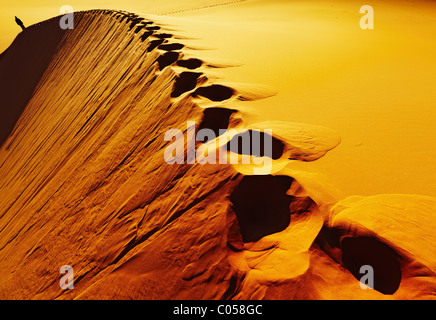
(145, 35)
(190, 63)
(360, 251)
(215, 92)
(216, 119)
(186, 81)
(236, 145)
(153, 28)
(163, 35)
(167, 59)
(261, 205)
(139, 28)
(154, 44)
(171, 46)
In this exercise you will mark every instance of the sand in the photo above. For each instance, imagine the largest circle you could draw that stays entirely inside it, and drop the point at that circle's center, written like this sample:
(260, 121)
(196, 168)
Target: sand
(85, 183)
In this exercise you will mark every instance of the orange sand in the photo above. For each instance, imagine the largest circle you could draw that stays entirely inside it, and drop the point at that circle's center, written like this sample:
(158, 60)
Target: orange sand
(85, 184)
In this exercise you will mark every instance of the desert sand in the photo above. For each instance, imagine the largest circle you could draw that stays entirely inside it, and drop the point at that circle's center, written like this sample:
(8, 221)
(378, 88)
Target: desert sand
(84, 181)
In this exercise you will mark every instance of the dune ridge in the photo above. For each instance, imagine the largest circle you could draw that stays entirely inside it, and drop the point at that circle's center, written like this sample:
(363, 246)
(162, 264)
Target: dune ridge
(86, 185)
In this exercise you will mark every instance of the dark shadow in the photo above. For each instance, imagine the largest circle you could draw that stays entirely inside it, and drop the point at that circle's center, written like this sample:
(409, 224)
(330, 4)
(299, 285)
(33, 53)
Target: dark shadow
(139, 28)
(154, 44)
(360, 251)
(134, 22)
(163, 35)
(190, 63)
(261, 205)
(329, 238)
(167, 59)
(215, 92)
(171, 46)
(216, 119)
(145, 35)
(21, 68)
(153, 28)
(186, 81)
(236, 145)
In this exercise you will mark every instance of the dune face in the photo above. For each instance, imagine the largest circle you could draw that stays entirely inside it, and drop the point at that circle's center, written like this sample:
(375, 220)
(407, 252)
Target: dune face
(84, 183)
(21, 71)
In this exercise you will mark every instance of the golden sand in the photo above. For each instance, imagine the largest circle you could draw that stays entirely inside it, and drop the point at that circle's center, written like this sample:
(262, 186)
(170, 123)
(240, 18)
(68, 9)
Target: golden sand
(85, 183)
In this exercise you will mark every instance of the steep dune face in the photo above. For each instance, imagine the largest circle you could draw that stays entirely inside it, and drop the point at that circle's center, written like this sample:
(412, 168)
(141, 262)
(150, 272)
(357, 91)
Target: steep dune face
(22, 66)
(84, 168)
(84, 181)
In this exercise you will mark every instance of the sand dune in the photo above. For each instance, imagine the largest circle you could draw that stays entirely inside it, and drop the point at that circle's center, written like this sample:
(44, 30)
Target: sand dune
(85, 182)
